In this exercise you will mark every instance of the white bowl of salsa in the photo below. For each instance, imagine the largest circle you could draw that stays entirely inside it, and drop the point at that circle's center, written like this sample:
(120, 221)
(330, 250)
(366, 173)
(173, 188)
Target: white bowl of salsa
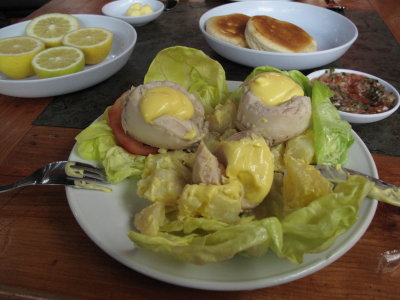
(359, 97)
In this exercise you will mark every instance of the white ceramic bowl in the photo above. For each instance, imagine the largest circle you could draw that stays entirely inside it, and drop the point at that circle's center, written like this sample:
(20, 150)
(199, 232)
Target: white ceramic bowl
(124, 40)
(118, 8)
(333, 33)
(363, 118)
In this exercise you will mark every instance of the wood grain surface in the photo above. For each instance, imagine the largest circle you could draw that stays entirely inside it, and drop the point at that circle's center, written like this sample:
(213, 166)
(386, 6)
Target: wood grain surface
(44, 254)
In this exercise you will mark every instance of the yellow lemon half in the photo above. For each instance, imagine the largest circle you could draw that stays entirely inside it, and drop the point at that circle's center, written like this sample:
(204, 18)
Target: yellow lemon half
(51, 28)
(58, 61)
(95, 42)
(16, 54)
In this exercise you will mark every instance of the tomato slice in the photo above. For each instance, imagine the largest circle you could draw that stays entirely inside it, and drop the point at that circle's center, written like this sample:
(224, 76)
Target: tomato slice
(127, 142)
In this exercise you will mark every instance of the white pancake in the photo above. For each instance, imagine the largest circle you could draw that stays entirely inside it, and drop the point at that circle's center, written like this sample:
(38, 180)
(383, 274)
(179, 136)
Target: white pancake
(269, 34)
(229, 28)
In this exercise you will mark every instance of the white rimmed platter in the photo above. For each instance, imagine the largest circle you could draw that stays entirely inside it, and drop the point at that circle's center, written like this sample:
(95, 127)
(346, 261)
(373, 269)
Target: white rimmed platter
(124, 40)
(107, 217)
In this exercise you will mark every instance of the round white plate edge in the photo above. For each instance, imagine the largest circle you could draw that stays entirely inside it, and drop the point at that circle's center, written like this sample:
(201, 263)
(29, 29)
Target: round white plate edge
(359, 229)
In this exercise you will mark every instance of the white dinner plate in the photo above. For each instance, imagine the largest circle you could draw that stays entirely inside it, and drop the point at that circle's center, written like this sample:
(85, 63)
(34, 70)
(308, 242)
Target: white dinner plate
(124, 40)
(107, 217)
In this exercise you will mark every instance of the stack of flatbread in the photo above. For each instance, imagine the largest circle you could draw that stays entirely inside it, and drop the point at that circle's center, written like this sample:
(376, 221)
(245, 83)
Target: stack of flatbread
(260, 33)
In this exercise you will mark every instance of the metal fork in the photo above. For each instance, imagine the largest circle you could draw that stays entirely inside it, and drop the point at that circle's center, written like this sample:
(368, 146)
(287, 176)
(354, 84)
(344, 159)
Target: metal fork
(332, 172)
(70, 173)
(385, 192)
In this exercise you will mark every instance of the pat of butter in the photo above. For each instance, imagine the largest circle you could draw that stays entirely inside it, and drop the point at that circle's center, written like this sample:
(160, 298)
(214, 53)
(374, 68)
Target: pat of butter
(164, 100)
(274, 88)
(138, 9)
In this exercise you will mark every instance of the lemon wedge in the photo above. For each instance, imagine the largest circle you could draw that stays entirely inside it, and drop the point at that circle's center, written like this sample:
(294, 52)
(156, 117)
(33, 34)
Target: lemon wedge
(51, 28)
(95, 42)
(16, 54)
(58, 61)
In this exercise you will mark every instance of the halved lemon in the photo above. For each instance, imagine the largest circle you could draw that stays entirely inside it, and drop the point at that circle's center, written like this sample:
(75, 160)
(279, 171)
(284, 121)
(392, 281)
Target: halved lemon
(51, 28)
(95, 42)
(16, 54)
(58, 61)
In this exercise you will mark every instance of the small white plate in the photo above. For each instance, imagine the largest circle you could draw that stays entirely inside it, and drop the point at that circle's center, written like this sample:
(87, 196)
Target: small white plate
(363, 118)
(92, 208)
(333, 33)
(118, 8)
(124, 40)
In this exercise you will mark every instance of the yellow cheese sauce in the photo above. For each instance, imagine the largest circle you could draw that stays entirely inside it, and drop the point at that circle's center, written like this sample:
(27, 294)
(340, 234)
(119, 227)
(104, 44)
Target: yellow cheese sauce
(251, 162)
(273, 88)
(190, 135)
(81, 184)
(164, 100)
(79, 173)
(71, 171)
(138, 9)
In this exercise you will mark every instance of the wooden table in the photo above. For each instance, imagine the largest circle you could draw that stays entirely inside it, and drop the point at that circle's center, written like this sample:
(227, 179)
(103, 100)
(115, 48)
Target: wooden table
(44, 254)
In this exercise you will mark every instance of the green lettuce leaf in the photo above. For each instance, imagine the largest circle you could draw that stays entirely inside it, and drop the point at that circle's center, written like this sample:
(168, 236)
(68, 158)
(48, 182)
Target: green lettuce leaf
(95, 140)
(97, 143)
(254, 237)
(120, 164)
(194, 71)
(190, 224)
(313, 228)
(332, 135)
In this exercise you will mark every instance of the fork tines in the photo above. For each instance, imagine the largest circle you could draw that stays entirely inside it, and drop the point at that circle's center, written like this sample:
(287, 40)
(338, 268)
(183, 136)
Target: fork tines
(87, 172)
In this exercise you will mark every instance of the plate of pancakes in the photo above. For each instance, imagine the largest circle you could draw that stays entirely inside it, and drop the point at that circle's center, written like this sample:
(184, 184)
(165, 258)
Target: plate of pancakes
(281, 34)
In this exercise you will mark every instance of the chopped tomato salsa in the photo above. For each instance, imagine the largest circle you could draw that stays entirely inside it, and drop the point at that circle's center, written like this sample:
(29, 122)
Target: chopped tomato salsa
(358, 94)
